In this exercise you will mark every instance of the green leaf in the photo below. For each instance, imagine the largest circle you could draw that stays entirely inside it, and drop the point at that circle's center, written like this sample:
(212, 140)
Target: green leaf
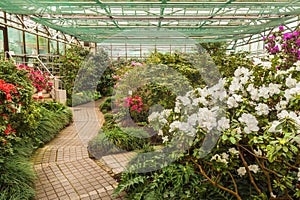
(232, 140)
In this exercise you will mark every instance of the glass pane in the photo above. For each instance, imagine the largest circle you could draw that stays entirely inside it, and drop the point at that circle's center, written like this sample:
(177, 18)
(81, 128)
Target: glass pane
(61, 48)
(43, 45)
(53, 47)
(30, 43)
(1, 44)
(15, 40)
(1, 41)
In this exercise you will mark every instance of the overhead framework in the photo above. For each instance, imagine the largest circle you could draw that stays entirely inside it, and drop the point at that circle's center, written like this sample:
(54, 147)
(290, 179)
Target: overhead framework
(204, 21)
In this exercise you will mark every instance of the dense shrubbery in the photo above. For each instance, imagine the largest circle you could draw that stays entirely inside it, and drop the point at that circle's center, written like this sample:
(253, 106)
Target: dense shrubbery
(69, 67)
(25, 124)
(241, 135)
(86, 77)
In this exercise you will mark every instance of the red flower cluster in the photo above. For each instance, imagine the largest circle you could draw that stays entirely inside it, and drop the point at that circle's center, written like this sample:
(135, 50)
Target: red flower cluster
(7, 88)
(9, 130)
(9, 96)
(134, 102)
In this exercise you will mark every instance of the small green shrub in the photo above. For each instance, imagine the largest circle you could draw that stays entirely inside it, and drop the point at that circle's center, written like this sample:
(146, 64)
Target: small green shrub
(101, 146)
(106, 105)
(109, 122)
(83, 97)
(116, 140)
(69, 67)
(176, 181)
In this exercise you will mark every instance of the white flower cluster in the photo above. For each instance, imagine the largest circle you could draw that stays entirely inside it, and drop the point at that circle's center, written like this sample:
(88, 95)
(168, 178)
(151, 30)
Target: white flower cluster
(223, 158)
(242, 170)
(250, 121)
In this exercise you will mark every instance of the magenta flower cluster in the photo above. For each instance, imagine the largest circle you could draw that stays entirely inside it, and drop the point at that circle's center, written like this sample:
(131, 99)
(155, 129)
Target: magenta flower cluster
(40, 80)
(285, 46)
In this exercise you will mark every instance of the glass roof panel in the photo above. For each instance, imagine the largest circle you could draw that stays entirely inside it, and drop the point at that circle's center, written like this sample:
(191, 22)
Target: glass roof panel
(205, 20)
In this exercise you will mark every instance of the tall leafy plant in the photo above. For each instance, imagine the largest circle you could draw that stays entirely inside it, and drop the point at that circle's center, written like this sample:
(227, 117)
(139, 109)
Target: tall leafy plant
(69, 67)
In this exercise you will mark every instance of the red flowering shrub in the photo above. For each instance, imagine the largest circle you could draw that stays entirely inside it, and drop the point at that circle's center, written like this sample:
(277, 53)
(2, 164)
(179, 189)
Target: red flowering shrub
(40, 80)
(138, 111)
(9, 98)
(17, 110)
(135, 103)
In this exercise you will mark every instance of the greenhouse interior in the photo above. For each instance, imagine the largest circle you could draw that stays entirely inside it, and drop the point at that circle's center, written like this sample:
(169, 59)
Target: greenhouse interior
(149, 100)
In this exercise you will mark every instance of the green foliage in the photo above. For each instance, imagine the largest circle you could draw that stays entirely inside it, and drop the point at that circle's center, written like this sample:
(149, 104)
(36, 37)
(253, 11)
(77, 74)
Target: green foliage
(16, 172)
(182, 63)
(16, 178)
(109, 122)
(92, 70)
(115, 140)
(257, 154)
(226, 63)
(34, 123)
(175, 181)
(69, 67)
(106, 83)
(101, 146)
(83, 97)
(54, 117)
(106, 105)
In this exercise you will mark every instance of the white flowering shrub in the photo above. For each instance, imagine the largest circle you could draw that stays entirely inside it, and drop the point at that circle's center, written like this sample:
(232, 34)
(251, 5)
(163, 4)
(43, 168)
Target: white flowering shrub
(255, 115)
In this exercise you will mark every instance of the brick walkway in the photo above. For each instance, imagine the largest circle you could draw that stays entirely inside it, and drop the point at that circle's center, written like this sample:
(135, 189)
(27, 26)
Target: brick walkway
(64, 169)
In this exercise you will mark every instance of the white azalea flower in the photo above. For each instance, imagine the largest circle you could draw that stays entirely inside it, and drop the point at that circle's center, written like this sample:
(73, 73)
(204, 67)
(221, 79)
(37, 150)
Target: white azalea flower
(258, 152)
(166, 113)
(232, 103)
(274, 89)
(238, 98)
(193, 119)
(290, 82)
(215, 157)
(233, 151)
(241, 171)
(253, 92)
(184, 100)
(272, 195)
(283, 114)
(250, 121)
(225, 156)
(165, 139)
(281, 105)
(262, 109)
(235, 85)
(288, 94)
(263, 92)
(174, 125)
(272, 129)
(298, 175)
(207, 119)
(223, 124)
(253, 168)
(153, 116)
(160, 133)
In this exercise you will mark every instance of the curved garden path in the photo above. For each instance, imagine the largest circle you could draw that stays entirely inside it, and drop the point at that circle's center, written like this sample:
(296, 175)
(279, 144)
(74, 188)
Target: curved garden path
(63, 167)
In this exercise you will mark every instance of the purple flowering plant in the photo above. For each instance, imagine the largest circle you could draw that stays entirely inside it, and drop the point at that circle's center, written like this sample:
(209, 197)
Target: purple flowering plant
(284, 47)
